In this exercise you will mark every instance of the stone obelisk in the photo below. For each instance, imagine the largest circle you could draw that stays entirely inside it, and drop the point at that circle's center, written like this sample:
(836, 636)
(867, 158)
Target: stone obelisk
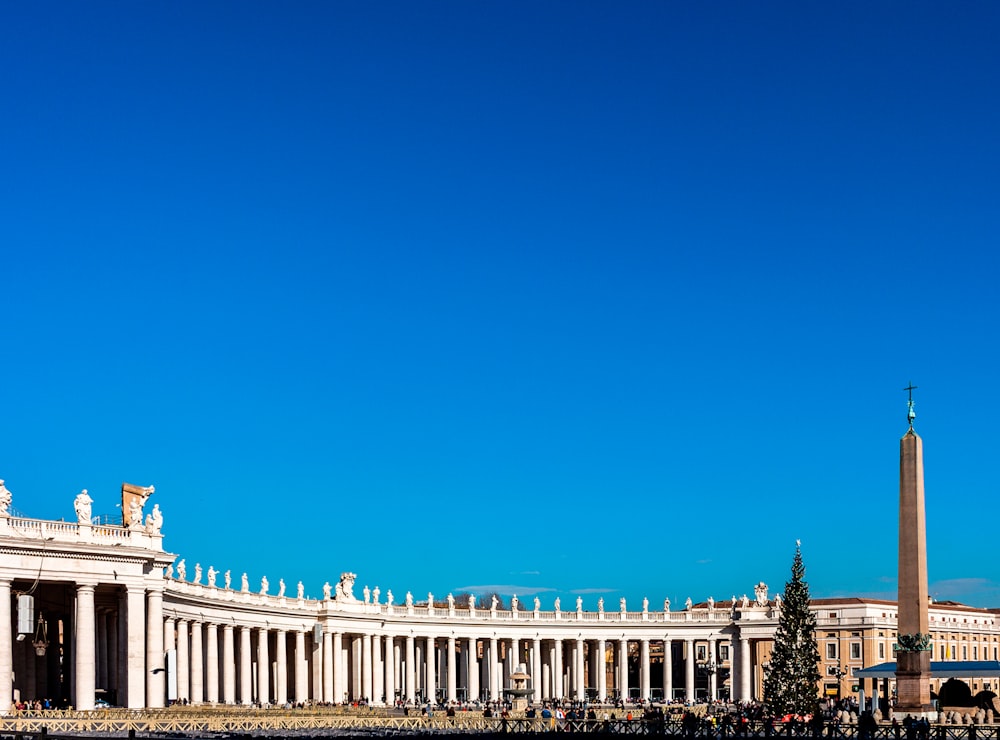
(913, 657)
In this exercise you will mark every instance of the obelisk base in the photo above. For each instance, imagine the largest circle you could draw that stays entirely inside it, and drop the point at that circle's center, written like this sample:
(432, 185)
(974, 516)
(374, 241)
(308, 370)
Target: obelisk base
(913, 690)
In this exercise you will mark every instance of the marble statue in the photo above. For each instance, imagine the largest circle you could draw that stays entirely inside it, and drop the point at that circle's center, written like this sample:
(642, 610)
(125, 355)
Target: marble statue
(388, 597)
(557, 604)
(666, 604)
(688, 603)
(228, 579)
(170, 571)
(5, 500)
(645, 604)
(777, 601)
(367, 594)
(430, 600)
(513, 603)
(494, 602)
(212, 573)
(197, 573)
(760, 594)
(281, 588)
(154, 520)
(375, 594)
(300, 591)
(135, 514)
(745, 601)
(181, 571)
(579, 603)
(711, 603)
(538, 604)
(734, 601)
(600, 604)
(451, 602)
(244, 583)
(472, 603)
(264, 585)
(409, 598)
(326, 590)
(621, 603)
(345, 587)
(82, 504)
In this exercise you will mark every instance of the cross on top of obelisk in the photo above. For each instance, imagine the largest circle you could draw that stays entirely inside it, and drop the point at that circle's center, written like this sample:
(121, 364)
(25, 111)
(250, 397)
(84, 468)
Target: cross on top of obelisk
(910, 413)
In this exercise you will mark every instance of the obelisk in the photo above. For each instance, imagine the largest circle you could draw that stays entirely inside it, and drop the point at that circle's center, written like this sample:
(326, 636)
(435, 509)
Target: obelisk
(913, 656)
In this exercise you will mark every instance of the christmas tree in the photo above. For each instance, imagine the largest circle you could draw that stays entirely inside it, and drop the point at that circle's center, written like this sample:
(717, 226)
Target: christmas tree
(791, 685)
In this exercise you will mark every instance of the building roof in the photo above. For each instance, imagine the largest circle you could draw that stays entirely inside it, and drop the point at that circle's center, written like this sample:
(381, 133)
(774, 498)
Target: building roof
(939, 669)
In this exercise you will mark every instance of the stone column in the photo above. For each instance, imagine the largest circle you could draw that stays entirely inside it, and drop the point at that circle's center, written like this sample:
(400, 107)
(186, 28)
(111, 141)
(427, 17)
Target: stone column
(356, 654)
(84, 646)
(212, 663)
(301, 668)
(155, 666)
(644, 682)
(228, 665)
(378, 671)
(689, 670)
(602, 671)
(623, 669)
(668, 670)
(579, 670)
(746, 672)
(536, 670)
(136, 651)
(102, 654)
(389, 686)
(263, 668)
(734, 668)
(411, 669)
(452, 671)
(246, 667)
(713, 676)
(329, 689)
(367, 672)
(492, 666)
(473, 668)
(170, 643)
(281, 672)
(197, 664)
(431, 681)
(337, 671)
(183, 662)
(557, 672)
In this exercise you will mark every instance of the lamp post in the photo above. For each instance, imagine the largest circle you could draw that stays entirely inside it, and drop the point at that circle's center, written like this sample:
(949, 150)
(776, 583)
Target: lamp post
(709, 668)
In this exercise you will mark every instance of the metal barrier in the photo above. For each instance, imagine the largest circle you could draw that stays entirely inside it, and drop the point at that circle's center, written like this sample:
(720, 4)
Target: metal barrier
(202, 722)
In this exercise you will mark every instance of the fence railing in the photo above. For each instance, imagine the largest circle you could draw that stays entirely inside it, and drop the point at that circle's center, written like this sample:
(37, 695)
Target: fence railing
(125, 723)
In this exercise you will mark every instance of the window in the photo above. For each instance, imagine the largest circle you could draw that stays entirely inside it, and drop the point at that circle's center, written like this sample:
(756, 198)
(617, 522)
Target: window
(723, 652)
(881, 651)
(831, 650)
(975, 652)
(855, 651)
(701, 652)
(994, 653)
(965, 652)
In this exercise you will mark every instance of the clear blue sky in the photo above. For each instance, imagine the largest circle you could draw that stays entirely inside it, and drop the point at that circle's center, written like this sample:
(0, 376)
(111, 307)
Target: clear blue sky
(556, 298)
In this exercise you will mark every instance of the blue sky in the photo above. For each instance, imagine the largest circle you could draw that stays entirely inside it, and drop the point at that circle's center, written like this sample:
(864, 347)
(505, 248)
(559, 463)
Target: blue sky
(603, 298)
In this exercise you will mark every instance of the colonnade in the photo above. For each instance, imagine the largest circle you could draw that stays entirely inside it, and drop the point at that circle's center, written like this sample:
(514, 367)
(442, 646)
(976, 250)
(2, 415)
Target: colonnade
(143, 645)
(222, 663)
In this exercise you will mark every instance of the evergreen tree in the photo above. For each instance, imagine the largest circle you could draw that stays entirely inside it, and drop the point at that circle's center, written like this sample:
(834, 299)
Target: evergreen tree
(791, 685)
